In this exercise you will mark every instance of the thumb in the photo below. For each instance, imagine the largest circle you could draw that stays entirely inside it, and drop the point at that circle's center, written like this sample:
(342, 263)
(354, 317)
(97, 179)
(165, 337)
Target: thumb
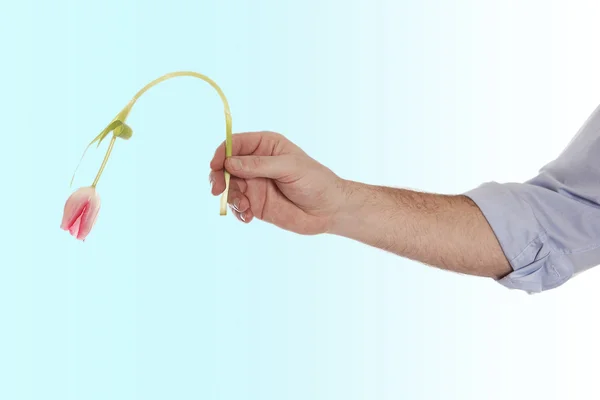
(272, 167)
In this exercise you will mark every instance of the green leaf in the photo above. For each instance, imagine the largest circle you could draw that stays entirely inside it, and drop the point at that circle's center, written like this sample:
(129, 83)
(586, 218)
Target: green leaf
(119, 129)
(112, 126)
(123, 131)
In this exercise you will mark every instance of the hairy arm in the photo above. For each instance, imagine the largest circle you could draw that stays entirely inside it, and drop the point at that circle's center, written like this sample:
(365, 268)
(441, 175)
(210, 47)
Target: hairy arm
(448, 232)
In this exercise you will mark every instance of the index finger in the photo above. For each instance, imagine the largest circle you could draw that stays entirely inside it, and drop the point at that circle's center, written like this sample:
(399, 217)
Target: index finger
(242, 144)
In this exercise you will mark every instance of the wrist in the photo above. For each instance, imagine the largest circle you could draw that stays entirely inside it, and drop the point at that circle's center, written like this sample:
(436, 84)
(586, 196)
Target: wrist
(353, 200)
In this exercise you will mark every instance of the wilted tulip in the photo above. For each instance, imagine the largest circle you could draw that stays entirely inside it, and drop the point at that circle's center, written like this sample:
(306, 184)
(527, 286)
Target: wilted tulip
(81, 211)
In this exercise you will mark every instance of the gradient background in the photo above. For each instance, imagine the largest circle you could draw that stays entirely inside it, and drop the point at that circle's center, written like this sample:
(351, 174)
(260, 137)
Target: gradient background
(167, 300)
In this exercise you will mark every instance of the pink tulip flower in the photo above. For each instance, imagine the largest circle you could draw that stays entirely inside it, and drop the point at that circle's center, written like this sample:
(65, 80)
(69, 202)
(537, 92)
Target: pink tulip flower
(81, 210)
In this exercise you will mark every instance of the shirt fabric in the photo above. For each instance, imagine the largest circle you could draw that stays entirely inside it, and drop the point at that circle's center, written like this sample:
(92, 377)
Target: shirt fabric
(549, 226)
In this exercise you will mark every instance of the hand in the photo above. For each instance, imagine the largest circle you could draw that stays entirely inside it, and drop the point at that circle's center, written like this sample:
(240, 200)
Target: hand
(273, 180)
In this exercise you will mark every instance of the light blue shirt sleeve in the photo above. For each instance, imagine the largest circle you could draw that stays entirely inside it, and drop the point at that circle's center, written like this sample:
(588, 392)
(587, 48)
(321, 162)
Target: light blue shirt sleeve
(549, 226)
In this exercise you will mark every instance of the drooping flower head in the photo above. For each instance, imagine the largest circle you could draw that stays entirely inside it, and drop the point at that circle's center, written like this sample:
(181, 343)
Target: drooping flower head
(81, 211)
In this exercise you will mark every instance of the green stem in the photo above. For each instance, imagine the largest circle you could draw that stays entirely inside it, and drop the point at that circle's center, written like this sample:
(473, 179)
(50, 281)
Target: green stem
(110, 147)
(228, 131)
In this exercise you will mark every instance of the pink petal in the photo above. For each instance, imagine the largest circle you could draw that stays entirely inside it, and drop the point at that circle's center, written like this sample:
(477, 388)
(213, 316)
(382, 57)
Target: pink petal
(88, 218)
(74, 228)
(80, 212)
(72, 214)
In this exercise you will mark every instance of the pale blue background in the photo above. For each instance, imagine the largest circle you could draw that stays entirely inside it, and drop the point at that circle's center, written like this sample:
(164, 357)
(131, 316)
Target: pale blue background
(167, 300)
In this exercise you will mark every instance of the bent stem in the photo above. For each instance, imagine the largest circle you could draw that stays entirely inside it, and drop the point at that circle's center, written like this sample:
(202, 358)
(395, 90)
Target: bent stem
(122, 116)
(110, 147)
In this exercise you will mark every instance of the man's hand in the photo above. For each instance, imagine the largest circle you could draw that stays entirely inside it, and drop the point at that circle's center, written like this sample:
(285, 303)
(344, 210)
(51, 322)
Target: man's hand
(274, 180)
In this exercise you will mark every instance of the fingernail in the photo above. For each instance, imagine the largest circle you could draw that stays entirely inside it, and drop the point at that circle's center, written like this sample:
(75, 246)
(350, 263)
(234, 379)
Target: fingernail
(243, 217)
(235, 164)
(236, 204)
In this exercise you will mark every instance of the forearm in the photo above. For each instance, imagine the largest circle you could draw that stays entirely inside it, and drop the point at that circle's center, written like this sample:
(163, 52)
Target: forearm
(448, 232)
